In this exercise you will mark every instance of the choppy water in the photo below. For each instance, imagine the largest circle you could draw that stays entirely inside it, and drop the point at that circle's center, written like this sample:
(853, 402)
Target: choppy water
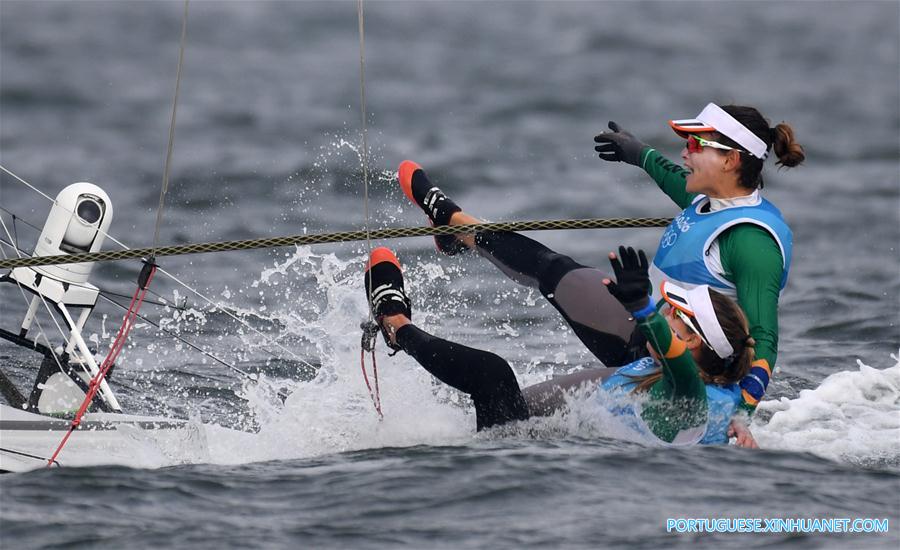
(499, 101)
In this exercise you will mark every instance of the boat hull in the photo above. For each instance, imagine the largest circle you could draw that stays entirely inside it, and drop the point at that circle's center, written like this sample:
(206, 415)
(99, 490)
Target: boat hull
(28, 440)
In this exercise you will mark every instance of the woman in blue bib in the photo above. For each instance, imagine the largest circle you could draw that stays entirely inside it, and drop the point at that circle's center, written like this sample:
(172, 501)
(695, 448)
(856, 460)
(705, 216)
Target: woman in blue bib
(685, 392)
(727, 236)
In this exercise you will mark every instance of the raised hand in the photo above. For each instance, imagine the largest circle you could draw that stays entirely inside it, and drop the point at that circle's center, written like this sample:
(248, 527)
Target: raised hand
(632, 278)
(619, 145)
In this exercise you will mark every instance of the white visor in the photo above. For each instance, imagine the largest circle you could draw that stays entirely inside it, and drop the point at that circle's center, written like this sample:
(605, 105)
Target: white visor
(697, 303)
(714, 119)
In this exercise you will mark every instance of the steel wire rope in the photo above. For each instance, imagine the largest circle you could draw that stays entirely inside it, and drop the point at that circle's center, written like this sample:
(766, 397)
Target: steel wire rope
(171, 142)
(106, 296)
(368, 333)
(24, 221)
(61, 331)
(102, 292)
(14, 247)
(162, 303)
(169, 150)
(191, 345)
(165, 181)
(363, 114)
(339, 237)
(130, 252)
(163, 190)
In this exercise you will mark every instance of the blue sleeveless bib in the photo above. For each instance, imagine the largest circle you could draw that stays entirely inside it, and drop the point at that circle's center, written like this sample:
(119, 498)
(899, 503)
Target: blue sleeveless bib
(722, 401)
(682, 256)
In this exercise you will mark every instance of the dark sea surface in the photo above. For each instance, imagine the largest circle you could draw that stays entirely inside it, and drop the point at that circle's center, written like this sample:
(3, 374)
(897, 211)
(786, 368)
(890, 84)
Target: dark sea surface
(499, 101)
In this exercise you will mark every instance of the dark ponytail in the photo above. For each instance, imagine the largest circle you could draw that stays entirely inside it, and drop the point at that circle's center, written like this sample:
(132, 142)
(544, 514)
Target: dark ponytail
(714, 369)
(780, 139)
(789, 152)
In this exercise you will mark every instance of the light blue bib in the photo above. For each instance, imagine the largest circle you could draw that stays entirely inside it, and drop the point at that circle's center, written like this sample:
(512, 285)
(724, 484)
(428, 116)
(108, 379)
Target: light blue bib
(722, 402)
(683, 253)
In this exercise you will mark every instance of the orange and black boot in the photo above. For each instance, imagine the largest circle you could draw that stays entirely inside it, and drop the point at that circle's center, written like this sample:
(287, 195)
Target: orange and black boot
(436, 205)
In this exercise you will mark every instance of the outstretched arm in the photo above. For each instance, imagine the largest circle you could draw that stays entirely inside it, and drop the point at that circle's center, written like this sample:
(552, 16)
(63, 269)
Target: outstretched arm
(678, 400)
(670, 177)
(618, 145)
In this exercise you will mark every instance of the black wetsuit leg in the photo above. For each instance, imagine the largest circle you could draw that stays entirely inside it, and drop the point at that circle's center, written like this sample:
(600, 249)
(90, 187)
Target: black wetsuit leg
(485, 376)
(575, 290)
(548, 397)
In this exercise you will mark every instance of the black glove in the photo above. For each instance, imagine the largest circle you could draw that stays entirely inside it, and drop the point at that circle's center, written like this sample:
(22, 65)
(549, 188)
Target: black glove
(632, 280)
(619, 145)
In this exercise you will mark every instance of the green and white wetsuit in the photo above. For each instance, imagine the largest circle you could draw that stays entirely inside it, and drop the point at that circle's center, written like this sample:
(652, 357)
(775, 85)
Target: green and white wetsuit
(675, 409)
(678, 409)
(750, 258)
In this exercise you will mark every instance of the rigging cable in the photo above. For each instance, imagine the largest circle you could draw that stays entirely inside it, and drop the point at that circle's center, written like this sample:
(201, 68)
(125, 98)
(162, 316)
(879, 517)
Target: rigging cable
(338, 237)
(162, 303)
(145, 277)
(193, 346)
(140, 292)
(165, 181)
(103, 293)
(363, 115)
(369, 327)
(31, 225)
(106, 296)
(164, 189)
(140, 253)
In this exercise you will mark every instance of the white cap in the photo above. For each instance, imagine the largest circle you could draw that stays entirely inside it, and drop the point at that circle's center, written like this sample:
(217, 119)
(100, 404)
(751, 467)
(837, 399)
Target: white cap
(714, 119)
(697, 303)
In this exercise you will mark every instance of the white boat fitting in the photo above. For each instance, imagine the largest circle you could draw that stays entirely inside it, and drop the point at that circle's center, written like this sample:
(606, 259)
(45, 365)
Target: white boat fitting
(32, 426)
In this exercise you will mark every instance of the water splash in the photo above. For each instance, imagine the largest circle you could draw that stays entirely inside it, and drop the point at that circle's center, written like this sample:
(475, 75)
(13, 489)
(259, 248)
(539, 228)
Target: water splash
(852, 416)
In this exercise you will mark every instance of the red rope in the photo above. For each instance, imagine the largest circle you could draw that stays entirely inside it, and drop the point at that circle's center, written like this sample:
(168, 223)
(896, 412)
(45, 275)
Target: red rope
(375, 395)
(127, 323)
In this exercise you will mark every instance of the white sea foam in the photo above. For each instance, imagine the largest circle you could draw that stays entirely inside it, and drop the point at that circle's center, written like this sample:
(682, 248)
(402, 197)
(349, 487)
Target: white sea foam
(852, 415)
(334, 412)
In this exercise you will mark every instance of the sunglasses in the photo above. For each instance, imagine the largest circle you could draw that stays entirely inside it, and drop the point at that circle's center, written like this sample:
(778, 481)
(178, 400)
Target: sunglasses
(690, 324)
(695, 144)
